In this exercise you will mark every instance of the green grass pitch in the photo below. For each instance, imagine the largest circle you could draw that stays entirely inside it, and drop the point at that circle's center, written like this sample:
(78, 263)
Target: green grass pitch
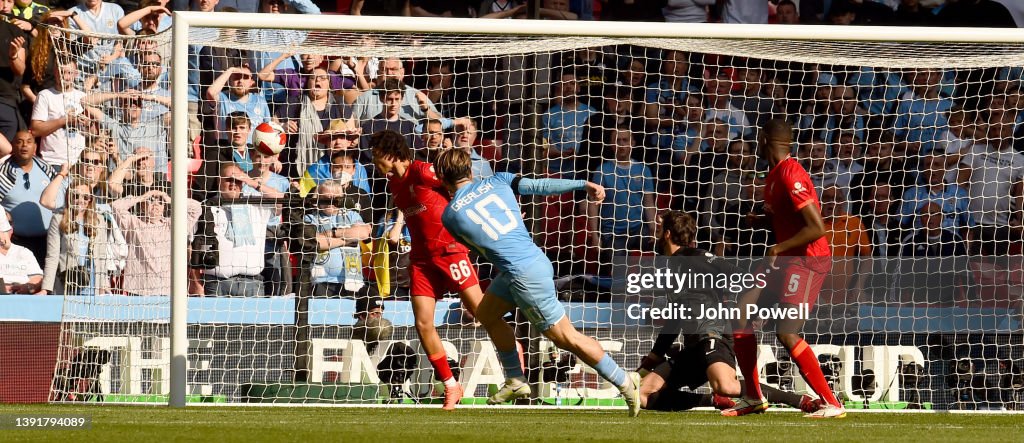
(302, 424)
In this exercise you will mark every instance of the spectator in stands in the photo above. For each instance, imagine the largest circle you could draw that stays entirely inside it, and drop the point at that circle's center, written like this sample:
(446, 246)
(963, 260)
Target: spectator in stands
(241, 230)
(23, 176)
(77, 252)
(440, 87)
(708, 154)
(913, 13)
(719, 102)
(975, 13)
(557, 10)
(58, 117)
(563, 124)
(137, 175)
(882, 221)
(295, 81)
(634, 78)
(932, 187)
(618, 110)
(415, 105)
(844, 114)
(625, 220)
(239, 98)
(786, 14)
(338, 137)
(723, 196)
(239, 130)
(930, 237)
(881, 164)
(849, 152)
(671, 88)
(813, 155)
(29, 10)
(390, 118)
(91, 168)
(744, 11)
(687, 11)
(19, 269)
(273, 92)
(307, 115)
(849, 239)
(262, 182)
(922, 110)
(146, 223)
(156, 98)
(41, 65)
(200, 69)
(151, 17)
(130, 132)
(502, 9)
(753, 99)
(102, 18)
(931, 281)
(465, 138)
(992, 172)
(12, 67)
(334, 232)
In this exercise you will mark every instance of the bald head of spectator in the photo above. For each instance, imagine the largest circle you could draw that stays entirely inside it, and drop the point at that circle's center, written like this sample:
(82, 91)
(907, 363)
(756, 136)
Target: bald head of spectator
(23, 147)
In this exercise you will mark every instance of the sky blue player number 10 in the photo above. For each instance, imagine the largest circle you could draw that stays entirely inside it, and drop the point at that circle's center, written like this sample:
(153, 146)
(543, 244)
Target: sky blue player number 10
(491, 226)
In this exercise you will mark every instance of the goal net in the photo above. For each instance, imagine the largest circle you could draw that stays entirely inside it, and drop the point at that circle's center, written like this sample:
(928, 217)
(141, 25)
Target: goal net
(298, 273)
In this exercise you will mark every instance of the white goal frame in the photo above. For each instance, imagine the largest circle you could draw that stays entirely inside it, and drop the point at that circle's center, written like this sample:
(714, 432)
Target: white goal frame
(184, 21)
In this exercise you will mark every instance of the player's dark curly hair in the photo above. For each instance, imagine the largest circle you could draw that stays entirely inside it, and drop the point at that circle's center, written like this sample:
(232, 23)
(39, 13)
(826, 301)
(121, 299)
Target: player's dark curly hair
(453, 165)
(680, 226)
(390, 143)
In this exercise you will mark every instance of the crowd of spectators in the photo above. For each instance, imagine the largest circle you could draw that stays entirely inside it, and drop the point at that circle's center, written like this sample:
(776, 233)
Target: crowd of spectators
(907, 162)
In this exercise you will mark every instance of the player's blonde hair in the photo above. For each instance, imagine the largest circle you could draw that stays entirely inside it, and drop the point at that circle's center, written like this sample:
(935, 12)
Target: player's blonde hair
(453, 165)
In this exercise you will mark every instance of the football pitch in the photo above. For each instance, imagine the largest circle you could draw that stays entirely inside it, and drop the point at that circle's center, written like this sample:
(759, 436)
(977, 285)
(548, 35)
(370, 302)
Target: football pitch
(291, 424)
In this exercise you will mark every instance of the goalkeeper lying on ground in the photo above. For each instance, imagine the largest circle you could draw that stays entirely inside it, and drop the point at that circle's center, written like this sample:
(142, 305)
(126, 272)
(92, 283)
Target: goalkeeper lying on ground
(707, 354)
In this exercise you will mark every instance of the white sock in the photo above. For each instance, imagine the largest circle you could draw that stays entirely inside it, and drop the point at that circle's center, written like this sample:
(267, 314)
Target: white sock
(450, 382)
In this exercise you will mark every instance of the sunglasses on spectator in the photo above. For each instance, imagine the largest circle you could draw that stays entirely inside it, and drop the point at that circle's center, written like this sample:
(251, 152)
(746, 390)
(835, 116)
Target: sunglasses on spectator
(93, 161)
(25, 179)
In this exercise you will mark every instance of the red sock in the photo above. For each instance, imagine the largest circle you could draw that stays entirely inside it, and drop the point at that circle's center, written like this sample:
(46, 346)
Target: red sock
(810, 369)
(745, 345)
(442, 371)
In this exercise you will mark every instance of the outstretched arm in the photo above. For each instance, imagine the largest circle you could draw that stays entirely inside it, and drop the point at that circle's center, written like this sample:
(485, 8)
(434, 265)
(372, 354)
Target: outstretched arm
(554, 186)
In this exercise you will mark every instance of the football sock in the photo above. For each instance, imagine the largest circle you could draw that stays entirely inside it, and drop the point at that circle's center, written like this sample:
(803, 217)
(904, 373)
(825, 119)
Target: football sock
(781, 397)
(745, 345)
(673, 400)
(510, 364)
(810, 369)
(442, 371)
(607, 368)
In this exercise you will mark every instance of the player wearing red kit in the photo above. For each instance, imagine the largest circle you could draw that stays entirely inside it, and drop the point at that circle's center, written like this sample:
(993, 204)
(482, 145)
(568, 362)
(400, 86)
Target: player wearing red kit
(438, 263)
(797, 266)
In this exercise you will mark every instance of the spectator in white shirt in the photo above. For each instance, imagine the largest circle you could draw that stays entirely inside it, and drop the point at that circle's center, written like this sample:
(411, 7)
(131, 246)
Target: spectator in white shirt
(58, 117)
(19, 269)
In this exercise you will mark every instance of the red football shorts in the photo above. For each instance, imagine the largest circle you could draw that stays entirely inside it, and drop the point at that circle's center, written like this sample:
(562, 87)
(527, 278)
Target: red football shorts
(438, 275)
(796, 281)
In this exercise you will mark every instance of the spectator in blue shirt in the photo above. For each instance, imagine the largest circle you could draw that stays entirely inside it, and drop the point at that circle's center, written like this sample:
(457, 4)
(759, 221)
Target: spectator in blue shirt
(22, 180)
(933, 188)
(671, 88)
(337, 269)
(564, 124)
(626, 217)
(241, 97)
(273, 92)
(921, 113)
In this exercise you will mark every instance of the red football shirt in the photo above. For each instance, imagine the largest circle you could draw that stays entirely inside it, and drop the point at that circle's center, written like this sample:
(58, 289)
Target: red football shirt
(787, 190)
(421, 197)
